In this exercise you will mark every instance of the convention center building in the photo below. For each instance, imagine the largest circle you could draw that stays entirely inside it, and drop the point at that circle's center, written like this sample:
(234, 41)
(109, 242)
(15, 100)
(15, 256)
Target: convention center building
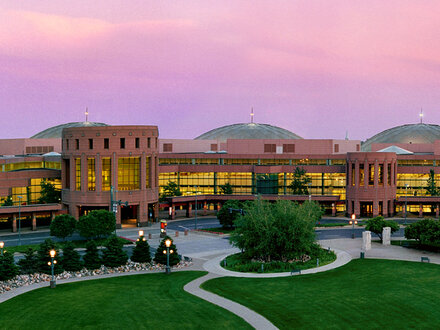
(127, 169)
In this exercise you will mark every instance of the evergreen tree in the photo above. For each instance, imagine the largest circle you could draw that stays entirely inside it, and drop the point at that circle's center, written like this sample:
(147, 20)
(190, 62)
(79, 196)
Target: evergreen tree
(300, 182)
(113, 255)
(7, 201)
(44, 257)
(92, 260)
(161, 258)
(432, 185)
(71, 260)
(29, 264)
(141, 253)
(170, 190)
(229, 213)
(8, 269)
(62, 226)
(226, 189)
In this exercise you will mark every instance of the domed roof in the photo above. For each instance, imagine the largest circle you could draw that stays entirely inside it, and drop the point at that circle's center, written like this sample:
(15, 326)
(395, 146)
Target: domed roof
(248, 131)
(56, 131)
(411, 133)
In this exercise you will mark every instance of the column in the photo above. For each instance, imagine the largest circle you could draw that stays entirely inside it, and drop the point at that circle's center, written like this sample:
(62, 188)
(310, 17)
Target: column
(34, 222)
(14, 223)
(436, 210)
(350, 174)
(357, 208)
(375, 205)
(333, 209)
(84, 174)
(385, 173)
(118, 217)
(72, 173)
(205, 208)
(357, 174)
(189, 210)
(366, 174)
(421, 211)
(98, 173)
(143, 169)
(219, 206)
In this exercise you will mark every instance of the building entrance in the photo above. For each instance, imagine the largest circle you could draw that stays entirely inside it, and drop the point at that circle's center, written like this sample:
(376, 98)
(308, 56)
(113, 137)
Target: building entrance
(366, 209)
(129, 215)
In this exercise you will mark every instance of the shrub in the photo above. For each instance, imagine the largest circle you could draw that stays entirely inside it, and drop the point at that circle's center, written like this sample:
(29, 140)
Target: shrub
(29, 264)
(113, 255)
(377, 224)
(97, 223)
(161, 258)
(92, 260)
(71, 260)
(44, 257)
(141, 253)
(225, 216)
(279, 231)
(62, 226)
(424, 231)
(8, 269)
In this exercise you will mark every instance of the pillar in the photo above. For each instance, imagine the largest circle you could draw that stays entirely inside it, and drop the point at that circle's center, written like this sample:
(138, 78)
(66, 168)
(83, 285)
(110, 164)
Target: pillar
(118, 217)
(420, 211)
(219, 206)
(436, 211)
(333, 209)
(98, 174)
(172, 212)
(34, 222)
(189, 210)
(14, 223)
(205, 208)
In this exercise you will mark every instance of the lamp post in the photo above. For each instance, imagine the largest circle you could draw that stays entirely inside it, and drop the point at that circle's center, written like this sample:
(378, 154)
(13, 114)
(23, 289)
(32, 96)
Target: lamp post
(310, 191)
(114, 204)
(2, 245)
(19, 219)
(195, 220)
(406, 200)
(52, 266)
(352, 223)
(168, 252)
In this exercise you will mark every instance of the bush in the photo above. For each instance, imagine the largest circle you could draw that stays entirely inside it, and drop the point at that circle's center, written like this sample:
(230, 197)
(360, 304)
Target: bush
(92, 260)
(44, 257)
(29, 264)
(97, 223)
(377, 224)
(62, 226)
(161, 258)
(71, 260)
(225, 216)
(280, 231)
(141, 253)
(113, 255)
(8, 269)
(424, 231)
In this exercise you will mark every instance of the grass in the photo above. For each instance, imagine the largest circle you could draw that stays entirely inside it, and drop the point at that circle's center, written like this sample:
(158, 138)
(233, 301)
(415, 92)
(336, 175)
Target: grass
(412, 244)
(151, 301)
(76, 243)
(336, 224)
(364, 294)
(237, 263)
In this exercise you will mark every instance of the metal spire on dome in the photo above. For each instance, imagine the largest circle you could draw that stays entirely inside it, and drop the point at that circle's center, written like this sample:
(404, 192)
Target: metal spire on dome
(252, 115)
(87, 115)
(421, 115)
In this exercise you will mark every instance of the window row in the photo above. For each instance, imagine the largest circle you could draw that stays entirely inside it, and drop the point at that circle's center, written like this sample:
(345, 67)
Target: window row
(105, 143)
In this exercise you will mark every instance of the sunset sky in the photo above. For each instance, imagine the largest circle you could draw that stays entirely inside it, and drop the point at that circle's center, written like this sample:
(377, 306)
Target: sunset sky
(317, 68)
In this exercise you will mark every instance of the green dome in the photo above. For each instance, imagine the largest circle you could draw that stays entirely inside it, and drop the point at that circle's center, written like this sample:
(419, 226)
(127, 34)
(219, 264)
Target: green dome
(56, 131)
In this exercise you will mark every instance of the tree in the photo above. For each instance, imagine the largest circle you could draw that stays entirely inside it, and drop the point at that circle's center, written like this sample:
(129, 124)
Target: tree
(49, 193)
(7, 201)
(44, 257)
(170, 190)
(226, 189)
(141, 253)
(92, 260)
(62, 226)
(377, 224)
(71, 260)
(299, 185)
(29, 264)
(424, 231)
(279, 231)
(97, 223)
(113, 255)
(161, 258)
(432, 185)
(226, 216)
(8, 269)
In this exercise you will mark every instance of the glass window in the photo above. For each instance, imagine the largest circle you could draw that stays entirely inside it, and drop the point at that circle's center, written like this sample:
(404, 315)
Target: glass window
(389, 175)
(78, 173)
(380, 174)
(361, 175)
(147, 172)
(148, 143)
(91, 176)
(106, 143)
(137, 143)
(106, 173)
(90, 144)
(370, 174)
(122, 143)
(128, 173)
(77, 143)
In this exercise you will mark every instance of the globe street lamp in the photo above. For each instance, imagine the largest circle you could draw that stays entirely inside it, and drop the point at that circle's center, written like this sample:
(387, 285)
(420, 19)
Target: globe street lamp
(52, 266)
(2, 245)
(19, 219)
(168, 252)
(352, 223)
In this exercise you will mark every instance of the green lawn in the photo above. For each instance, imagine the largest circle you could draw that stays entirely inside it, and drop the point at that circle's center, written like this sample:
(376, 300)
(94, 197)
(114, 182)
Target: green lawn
(153, 301)
(364, 294)
(219, 230)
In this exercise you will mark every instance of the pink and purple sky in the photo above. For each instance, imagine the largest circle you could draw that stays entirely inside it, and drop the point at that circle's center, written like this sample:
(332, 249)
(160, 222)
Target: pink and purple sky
(317, 68)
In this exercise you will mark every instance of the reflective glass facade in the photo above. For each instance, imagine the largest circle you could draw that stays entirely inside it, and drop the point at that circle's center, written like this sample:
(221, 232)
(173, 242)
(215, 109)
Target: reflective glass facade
(128, 173)
(91, 174)
(106, 173)
(78, 173)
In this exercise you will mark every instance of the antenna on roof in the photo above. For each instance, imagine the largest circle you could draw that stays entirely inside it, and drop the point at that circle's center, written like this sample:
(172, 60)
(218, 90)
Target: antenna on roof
(421, 115)
(252, 115)
(346, 135)
(87, 115)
